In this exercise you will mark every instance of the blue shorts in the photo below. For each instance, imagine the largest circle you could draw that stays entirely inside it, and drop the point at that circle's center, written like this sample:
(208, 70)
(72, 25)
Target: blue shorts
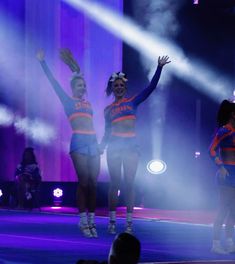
(123, 144)
(230, 179)
(84, 144)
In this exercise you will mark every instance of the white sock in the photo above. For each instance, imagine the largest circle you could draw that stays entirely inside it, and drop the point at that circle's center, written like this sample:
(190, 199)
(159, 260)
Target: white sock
(112, 216)
(91, 218)
(129, 217)
(83, 218)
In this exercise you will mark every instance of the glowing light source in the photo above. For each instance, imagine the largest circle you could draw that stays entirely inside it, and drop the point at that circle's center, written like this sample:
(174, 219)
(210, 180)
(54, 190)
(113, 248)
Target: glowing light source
(1, 196)
(233, 97)
(58, 193)
(197, 154)
(56, 207)
(138, 208)
(195, 2)
(156, 166)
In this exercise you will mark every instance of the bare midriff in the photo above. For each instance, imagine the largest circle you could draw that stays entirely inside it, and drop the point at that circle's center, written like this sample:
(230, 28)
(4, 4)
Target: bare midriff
(84, 124)
(124, 126)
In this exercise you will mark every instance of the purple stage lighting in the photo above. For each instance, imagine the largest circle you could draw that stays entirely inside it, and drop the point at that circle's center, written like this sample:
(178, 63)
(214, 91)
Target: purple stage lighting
(197, 154)
(195, 2)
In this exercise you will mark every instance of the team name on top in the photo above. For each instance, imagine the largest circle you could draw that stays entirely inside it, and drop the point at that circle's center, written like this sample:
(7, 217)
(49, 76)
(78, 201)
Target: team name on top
(82, 104)
(123, 108)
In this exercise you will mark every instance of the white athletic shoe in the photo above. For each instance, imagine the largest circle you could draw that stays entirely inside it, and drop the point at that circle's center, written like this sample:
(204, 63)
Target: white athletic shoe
(85, 230)
(93, 230)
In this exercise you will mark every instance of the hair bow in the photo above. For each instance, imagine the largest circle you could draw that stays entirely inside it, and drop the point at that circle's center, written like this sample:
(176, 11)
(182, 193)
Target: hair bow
(119, 75)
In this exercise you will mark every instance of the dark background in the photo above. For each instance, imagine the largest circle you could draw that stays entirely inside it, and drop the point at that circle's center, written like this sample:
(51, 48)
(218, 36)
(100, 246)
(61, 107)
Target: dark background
(207, 32)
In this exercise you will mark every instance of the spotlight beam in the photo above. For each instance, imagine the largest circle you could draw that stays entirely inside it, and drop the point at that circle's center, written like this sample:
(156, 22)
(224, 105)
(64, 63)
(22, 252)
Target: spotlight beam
(199, 75)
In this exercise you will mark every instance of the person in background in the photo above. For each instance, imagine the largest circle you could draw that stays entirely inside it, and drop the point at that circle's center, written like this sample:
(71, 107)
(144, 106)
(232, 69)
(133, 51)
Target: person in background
(27, 177)
(222, 151)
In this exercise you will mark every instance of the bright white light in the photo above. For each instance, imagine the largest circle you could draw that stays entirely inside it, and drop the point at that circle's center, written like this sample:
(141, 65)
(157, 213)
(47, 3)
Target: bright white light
(156, 166)
(58, 193)
(198, 74)
(6, 117)
(1, 193)
(233, 97)
(197, 154)
(138, 208)
(195, 2)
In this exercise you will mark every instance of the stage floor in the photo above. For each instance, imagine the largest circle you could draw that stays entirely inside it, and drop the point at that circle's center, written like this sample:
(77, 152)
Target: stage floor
(46, 237)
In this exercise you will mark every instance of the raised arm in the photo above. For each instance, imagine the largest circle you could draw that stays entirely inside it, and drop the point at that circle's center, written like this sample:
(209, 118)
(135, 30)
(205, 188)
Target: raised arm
(56, 86)
(143, 95)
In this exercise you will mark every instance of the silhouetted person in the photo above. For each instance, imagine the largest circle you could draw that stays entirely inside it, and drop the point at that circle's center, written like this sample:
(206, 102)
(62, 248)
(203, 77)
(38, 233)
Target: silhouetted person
(222, 151)
(125, 249)
(27, 177)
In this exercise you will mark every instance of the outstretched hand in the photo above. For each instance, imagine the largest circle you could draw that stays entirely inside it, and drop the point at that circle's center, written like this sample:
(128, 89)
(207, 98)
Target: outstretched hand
(40, 55)
(163, 60)
(67, 57)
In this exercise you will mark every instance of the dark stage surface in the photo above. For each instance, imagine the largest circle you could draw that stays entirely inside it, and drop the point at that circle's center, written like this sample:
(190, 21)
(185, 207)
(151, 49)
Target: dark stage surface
(42, 237)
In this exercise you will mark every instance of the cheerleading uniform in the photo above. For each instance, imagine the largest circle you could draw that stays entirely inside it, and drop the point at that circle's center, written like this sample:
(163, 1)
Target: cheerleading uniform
(222, 151)
(125, 109)
(82, 141)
